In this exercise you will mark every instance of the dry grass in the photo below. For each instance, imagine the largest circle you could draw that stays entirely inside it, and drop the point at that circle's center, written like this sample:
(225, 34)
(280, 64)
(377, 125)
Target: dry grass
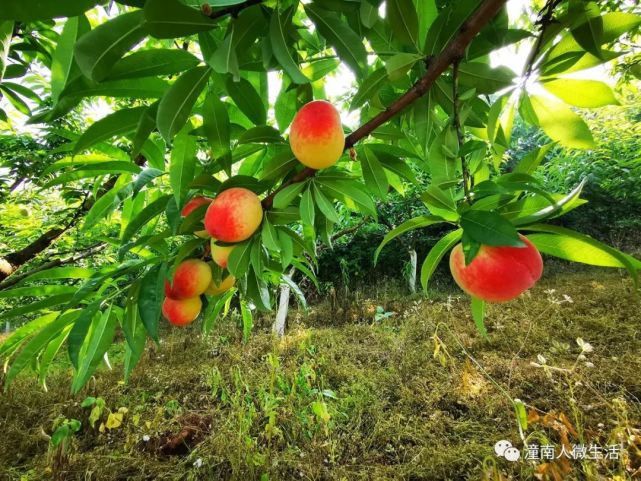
(345, 398)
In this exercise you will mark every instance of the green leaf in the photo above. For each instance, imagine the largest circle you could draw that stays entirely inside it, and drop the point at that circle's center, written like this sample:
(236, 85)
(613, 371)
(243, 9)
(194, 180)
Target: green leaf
(530, 162)
(144, 178)
(46, 303)
(97, 51)
(183, 166)
(490, 228)
(581, 93)
(62, 59)
(616, 24)
(325, 205)
(173, 19)
(403, 19)
(16, 338)
(269, 236)
(521, 414)
(342, 189)
(49, 353)
(280, 47)
(320, 68)
(370, 86)
(37, 291)
(373, 173)
(572, 246)
(212, 314)
(562, 205)
(118, 123)
(175, 106)
(395, 165)
(148, 87)
(398, 65)
(150, 298)
(36, 344)
(346, 42)
(60, 273)
(99, 338)
(447, 25)
(101, 208)
(248, 323)
(136, 339)
(559, 122)
(407, 226)
(300, 296)
(435, 255)
(262, 134)
(239, 259)
(440, 203)
(224, 60)
(216, 125)
(150, 212)
(247, 100)
(79, 331)
(285, 197)
(6, 34)
(149, 63)
(307, 208)
(478, 314)
(483, 78)
(588, 28)
(146, 125)
(29, 11)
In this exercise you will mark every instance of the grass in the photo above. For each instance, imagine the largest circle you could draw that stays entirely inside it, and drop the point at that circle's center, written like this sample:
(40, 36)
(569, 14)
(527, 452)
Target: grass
(344, 397)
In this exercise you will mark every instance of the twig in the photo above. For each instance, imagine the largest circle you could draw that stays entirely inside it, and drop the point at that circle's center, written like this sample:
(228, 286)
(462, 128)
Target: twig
(234, 10)
(16, 278)
(545, 20)
(459, 130)
(439, 64)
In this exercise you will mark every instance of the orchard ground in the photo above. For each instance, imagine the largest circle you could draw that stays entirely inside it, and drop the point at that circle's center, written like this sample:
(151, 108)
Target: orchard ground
(345, 396)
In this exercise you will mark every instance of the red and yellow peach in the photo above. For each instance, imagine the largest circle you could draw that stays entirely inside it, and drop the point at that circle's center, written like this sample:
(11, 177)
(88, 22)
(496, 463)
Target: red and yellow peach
(497, 274)
(316, 136)
(234, 215)
(191, 279)
(220, 254)
(227, 283)
(181, 312)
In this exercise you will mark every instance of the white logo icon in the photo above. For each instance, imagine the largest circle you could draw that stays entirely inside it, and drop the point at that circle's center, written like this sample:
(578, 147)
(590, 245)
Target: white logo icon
(504, 449)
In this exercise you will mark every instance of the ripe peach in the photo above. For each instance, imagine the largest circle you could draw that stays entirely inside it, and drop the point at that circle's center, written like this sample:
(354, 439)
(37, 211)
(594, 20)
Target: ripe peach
(191, 279)
(181, 312)
(316, 136)
(193, 204)
(497, 274)
(226, 284)
(234, 215)
(220, 254)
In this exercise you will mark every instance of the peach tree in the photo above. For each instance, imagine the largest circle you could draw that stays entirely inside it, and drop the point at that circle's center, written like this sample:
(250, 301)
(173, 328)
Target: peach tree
(215, 188)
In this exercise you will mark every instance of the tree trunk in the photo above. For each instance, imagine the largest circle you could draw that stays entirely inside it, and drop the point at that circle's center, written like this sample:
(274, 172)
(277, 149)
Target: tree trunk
(413, 264)
(278, 327)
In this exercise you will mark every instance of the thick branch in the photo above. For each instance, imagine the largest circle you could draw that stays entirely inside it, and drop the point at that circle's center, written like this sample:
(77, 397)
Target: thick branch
(439, 64)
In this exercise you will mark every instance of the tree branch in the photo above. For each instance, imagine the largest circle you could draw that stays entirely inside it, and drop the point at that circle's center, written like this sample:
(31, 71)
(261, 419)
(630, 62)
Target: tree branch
(439, 64)
(459, 131)
(544, 20)
(81, 254)
(233, 10)
(12, 261)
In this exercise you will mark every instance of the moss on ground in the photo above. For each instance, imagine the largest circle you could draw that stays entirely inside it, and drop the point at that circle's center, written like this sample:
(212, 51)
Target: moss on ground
(344, 397)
